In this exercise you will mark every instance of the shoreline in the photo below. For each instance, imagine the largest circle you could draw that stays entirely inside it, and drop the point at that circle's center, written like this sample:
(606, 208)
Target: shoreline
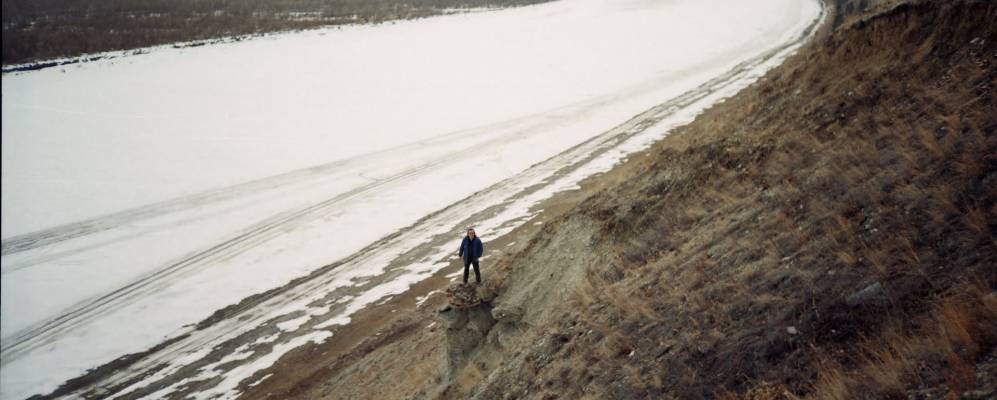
(331, 23)
(307, 369)
(400, 317)
(366, 320)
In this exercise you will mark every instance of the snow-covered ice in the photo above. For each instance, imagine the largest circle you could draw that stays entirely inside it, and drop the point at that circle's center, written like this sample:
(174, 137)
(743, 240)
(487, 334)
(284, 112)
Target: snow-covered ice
(95, 138)
(172, 184)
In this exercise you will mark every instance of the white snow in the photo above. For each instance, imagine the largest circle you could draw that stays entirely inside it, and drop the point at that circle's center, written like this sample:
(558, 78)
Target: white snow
(232, 378)
(294, 324)
(422, 299)
(105, 136)
(404, 119)
(179, 362)
(259, 381)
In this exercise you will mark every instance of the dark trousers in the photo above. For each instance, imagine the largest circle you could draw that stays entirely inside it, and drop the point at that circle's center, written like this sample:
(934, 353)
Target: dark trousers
(477, 272)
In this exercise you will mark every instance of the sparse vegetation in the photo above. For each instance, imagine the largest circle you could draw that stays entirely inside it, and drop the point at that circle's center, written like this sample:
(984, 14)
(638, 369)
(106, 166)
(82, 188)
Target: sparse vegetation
(940, 349)
(828, 233)
(35, 30)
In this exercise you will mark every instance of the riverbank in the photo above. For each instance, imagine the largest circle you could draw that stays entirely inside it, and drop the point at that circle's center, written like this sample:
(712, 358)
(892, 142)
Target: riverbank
(826, 233)
(59, 33)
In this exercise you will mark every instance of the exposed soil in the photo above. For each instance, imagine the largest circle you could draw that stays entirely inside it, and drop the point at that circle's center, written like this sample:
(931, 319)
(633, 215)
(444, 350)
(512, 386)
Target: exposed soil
(372, 356)
(828, 232)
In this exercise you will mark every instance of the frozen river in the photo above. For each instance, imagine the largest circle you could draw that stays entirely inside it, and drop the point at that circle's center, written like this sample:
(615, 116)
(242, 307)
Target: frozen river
(142, 194)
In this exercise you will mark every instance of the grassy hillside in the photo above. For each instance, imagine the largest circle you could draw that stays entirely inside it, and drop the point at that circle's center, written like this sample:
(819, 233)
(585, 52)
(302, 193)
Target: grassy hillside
(828, 233)
(36, 30)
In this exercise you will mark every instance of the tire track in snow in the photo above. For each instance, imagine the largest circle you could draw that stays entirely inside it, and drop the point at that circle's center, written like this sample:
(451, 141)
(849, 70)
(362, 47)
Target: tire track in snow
(40, 334)
(50, 236)
(258, 311)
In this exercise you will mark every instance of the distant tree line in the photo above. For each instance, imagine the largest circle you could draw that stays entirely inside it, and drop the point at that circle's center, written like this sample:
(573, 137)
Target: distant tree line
(35, 30)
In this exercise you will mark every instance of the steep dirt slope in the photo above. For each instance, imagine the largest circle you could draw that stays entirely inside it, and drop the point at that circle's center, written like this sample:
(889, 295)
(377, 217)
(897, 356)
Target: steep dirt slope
(828, 232)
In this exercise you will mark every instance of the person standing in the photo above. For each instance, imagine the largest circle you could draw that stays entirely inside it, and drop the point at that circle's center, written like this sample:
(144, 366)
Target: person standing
(471, 249)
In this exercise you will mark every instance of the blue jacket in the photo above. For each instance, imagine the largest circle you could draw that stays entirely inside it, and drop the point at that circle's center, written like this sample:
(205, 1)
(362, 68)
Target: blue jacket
(471, 250)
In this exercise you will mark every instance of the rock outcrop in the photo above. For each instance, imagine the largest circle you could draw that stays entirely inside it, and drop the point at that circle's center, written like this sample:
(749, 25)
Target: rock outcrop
(468, 320)
(462, 296)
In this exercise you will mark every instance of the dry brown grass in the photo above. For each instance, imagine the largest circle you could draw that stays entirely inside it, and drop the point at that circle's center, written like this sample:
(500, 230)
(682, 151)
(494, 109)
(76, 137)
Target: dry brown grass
(735, 248)
(948, 339)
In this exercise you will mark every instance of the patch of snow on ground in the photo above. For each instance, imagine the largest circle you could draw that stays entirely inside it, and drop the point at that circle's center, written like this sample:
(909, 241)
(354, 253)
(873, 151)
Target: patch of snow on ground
(227, 387)
(422, 299)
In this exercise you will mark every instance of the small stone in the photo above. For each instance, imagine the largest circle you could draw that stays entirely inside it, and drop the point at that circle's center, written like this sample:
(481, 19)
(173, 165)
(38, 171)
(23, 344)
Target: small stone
(865, 295)
(792, 330)
(507, 313)
(978, 394)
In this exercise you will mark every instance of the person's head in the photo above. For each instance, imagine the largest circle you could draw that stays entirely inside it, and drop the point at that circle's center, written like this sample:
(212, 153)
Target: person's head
(470, 233)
